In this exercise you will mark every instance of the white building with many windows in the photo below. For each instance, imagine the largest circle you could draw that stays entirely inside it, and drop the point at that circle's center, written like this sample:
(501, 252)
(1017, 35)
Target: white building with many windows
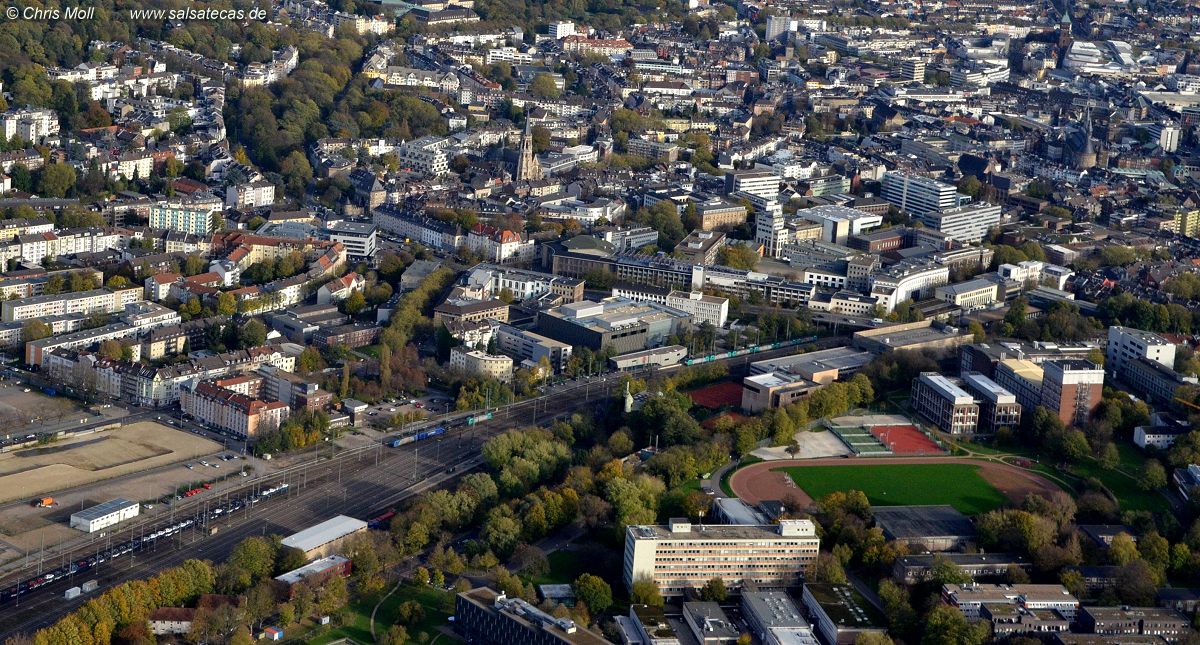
(919, 195)
(188, 215)
(968, 224)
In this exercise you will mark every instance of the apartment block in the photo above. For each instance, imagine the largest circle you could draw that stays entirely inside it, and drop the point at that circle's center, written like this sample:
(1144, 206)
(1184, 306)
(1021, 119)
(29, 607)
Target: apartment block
(229, 410)
(680, 556)
(476, 363)
(945, 403)
(107, 301)
(188, 215)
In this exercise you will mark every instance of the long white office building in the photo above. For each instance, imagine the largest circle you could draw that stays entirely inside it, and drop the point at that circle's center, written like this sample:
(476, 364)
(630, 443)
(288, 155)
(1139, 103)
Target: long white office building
(919, 195)
(968, 224)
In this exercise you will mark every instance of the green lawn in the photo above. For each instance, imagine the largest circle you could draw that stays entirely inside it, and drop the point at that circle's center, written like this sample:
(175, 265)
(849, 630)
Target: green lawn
(438, 606)
(958, 485)
(565, 566)
(1124, 486)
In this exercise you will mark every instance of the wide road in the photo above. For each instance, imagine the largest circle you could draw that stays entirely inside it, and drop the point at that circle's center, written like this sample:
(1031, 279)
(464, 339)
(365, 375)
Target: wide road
(361, 482)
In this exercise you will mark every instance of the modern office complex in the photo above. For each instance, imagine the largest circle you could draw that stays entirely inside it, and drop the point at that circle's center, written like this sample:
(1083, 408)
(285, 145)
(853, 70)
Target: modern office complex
(967, 224)
(919, 195)
(682, 556)
(945, 403)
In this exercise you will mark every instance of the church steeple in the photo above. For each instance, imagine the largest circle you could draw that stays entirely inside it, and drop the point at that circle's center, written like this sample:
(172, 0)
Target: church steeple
(528, 168)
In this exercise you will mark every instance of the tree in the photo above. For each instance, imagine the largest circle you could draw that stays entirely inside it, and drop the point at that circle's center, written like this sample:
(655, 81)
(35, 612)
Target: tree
(354, 304)
(194, 265)
(226, 304)
(1153, 476)
(977, 331)
(252, 334)
(35, 329)
(543, 86)
(645, 592)
(310, 360)
(828, 570)
(873, 638)
(117, 282)
(594, 592)
(1137, 583)
(946, 625)
(110, 349)
(395, 635)
(714, 590)
(344, 390)
(738, 256)
(57, 180)
(1122, 550)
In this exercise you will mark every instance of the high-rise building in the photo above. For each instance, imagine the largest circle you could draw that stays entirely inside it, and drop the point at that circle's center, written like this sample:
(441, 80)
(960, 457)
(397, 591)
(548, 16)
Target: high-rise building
(761, 183)
(779, 26)
(770, 229)
(917, 194)
(1188, 223)
(680, 556)
(1072, 389)
(1126, 345)
(912, 70)
(968, 224)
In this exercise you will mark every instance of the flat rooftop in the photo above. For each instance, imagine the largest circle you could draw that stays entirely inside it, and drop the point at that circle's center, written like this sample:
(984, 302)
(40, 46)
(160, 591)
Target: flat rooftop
(988, 388)
(947, 388)
(914, 522)
(840, 358)
(909, 337)
(101, 510)
(773, 609)
(324, 533)
(311, 569)
(846, 607)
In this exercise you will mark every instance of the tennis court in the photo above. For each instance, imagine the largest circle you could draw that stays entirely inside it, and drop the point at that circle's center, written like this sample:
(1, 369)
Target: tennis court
(861, 441)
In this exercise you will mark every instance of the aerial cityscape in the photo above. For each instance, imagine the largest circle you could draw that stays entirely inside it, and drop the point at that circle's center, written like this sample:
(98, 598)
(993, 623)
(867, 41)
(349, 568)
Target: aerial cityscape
(629, 322)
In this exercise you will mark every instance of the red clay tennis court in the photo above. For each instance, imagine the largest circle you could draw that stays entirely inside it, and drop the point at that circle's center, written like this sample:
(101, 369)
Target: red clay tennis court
(905, 440)
(718, 395)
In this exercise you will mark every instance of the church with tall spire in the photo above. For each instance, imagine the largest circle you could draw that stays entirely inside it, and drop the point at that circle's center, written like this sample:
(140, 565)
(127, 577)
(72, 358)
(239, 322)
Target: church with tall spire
(528, 168)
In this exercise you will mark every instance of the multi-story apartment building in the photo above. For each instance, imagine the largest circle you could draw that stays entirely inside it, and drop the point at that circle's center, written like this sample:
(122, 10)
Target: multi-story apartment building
(945, 403)
(678, 557)
(476, 363)
(188, 215)
(428, 155)
(998, 408)
(917, 194)
(231, 411)
(359, 238)
(108, 301)
(499, 245)
(416, 227)
(968, 224)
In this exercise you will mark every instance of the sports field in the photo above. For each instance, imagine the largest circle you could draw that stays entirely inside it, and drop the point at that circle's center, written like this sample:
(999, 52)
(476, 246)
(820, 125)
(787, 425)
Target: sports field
(959, 485)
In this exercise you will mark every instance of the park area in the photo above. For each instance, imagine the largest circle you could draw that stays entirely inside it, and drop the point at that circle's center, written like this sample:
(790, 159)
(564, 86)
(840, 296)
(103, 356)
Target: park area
(971, 486)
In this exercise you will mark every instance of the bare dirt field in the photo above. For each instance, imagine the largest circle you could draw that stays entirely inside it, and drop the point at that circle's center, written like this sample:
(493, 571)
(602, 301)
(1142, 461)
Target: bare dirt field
(761, 481)
(133, 448)
(813, 445)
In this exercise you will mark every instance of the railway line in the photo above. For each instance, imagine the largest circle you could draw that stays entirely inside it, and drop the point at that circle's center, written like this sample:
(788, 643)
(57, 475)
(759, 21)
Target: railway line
(362, 482)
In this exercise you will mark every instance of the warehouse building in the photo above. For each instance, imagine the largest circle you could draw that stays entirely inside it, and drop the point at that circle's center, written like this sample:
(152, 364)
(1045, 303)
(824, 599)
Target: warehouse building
(104, 515)
(320, 540)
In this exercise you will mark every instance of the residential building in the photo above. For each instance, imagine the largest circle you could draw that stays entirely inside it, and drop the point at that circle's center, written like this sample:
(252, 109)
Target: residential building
(486, 617)
(106, 301)
(476, 363)
(230, 411)
(350, 335)
(196, 214)
(359, 238)
(945, 403)
(339, 289)
(718, 213)
(967, 224)
(680, 556)
(918, 195)
(1187, 223)
(496, 245)
(487, 281)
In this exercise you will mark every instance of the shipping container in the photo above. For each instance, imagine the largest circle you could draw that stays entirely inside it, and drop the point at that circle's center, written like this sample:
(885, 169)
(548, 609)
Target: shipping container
(72, 593)
(90, 586)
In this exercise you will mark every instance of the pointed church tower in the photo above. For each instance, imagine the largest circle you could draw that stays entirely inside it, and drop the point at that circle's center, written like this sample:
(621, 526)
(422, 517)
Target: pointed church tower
(528, 168)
